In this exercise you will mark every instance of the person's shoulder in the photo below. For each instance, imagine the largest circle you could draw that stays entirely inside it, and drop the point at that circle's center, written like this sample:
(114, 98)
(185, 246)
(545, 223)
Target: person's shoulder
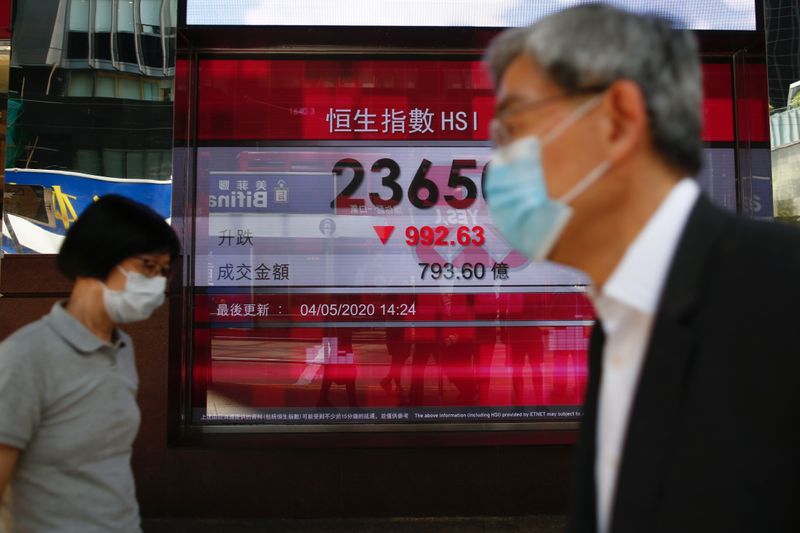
(26, 345)
(740, 233)
(766, 237)
(749, 249)
(771, 229)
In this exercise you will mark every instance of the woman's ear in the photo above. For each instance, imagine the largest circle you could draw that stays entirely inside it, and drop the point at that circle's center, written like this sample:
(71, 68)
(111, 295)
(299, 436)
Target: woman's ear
(115, 280)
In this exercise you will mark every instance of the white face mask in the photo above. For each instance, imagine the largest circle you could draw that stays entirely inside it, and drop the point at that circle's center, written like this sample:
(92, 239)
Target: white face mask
(137, 300)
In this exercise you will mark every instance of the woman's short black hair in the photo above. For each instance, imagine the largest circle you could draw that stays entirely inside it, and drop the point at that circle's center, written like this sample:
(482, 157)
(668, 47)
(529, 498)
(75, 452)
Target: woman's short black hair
(109, 231)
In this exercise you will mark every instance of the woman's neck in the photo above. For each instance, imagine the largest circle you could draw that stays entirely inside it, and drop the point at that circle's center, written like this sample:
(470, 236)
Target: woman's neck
(86, 306)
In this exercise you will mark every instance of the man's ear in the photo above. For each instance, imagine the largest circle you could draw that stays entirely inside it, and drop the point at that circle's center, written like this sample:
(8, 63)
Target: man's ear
(626, 120)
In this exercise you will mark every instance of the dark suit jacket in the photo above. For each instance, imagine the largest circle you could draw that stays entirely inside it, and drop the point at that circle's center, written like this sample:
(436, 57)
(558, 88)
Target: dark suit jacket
(712, 443)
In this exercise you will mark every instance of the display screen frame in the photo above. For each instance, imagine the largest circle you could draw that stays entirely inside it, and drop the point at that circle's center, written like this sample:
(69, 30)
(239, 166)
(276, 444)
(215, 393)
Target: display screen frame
(395, 40)
(513, 13)
(478, 433)
(539, 432)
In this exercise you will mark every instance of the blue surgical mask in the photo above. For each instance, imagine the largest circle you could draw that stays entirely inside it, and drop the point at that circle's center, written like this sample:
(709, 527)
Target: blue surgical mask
(516, 192)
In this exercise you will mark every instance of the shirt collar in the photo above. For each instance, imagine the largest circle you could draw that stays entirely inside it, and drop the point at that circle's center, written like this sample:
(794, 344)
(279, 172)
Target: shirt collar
(638, 279)
(75, 333)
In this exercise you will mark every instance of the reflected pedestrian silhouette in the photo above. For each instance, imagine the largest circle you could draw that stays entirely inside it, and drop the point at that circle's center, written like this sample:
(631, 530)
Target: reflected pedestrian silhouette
(339, 367)
(526, 344)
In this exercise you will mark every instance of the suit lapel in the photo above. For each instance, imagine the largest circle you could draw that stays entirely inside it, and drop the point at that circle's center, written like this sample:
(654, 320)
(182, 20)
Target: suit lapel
(657, 405)
(583, 497)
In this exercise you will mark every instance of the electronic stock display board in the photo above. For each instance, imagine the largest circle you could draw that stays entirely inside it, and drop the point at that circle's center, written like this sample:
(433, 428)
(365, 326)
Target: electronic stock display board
(346, 271)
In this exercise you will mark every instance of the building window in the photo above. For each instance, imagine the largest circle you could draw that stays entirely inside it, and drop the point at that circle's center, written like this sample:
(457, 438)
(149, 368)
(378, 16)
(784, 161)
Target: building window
(102, 16)
(150, 91)
(88, 162)
(134, 164)
(125, 15)
(113, 163)
(79, 15)
(129, 89)
(81, 84)
(150, 15)
(105, 87)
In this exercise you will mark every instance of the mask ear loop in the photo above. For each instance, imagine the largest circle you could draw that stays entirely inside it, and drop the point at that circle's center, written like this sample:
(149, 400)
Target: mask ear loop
(575, 116)
(124, 273)
(595, 174)
(597, 171)
(103, 282)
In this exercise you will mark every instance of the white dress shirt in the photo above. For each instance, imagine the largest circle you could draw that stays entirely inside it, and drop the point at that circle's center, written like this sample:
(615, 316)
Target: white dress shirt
(626, 306)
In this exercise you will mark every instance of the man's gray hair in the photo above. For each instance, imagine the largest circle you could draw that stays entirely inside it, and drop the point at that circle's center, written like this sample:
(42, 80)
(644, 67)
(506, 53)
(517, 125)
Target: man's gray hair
(596, 45)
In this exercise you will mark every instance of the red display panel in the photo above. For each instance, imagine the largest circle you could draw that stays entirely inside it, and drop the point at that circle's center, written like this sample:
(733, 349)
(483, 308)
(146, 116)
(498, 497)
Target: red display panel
(405, 374)
(5, 19)
(753, 103)
(345, 267)
(257, 99)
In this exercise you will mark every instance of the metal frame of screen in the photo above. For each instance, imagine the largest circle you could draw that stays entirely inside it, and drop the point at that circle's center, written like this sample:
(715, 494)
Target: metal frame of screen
(288, 39)
(555, 431)
(199, 44)
(409, 13)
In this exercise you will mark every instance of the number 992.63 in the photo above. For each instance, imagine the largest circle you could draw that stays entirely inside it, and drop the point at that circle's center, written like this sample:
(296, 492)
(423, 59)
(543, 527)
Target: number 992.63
(441, 236)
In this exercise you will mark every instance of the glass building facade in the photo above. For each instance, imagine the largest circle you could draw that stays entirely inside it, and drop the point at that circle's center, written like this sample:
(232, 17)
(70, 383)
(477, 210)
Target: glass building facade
(90, 107)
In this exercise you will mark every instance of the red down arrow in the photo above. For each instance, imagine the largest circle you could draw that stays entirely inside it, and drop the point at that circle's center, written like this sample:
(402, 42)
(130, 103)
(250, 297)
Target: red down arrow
(384, 232)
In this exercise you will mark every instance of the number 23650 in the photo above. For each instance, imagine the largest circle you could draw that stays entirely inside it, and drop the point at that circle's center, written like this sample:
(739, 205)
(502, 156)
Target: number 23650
(423, 193)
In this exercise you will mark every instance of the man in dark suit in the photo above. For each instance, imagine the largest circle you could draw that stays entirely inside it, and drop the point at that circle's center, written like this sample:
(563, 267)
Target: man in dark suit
(690, 421)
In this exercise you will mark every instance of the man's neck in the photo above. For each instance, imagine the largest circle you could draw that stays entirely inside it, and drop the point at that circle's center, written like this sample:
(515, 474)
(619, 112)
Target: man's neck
(598, 247)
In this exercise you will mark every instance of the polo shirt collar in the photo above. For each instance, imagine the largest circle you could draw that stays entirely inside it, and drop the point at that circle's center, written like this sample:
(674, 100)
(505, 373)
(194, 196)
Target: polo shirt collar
(75, 333)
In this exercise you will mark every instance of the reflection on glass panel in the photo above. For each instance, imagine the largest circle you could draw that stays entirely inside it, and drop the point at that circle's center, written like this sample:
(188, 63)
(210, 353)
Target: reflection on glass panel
(463, 330)
(80, 84)
(171, 13)
(78, 119)
(150, 12)
(88, 161)
(135, 164)
(102, 15)
(129, 88)
(153, 161)
(5, 56)
(717, 178)
(104, 87)
(397, 370)
(150, 91)
(782, 22)
(113, 162)
(79, 15)
(785, 125)
(125, 15)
